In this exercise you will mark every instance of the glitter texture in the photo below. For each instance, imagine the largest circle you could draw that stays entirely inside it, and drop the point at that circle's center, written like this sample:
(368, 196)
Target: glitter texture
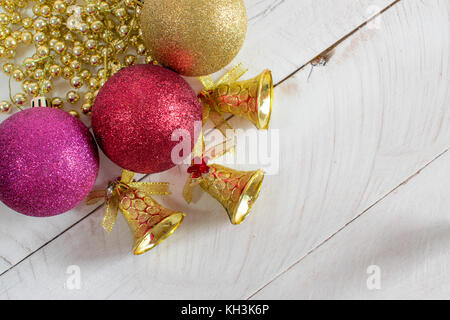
(48, 163)
(194, 37)
(136, 112)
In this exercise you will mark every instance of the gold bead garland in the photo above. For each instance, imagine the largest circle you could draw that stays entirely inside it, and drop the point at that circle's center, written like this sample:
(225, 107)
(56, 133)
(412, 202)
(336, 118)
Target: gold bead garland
(81, 44)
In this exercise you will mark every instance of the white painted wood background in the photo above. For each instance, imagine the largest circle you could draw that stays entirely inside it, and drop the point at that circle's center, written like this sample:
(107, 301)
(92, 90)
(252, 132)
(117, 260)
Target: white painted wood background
(363, 180)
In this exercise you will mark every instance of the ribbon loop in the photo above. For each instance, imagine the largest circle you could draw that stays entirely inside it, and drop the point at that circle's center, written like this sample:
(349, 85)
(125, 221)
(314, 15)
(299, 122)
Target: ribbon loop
(112, 196)
(210, 109)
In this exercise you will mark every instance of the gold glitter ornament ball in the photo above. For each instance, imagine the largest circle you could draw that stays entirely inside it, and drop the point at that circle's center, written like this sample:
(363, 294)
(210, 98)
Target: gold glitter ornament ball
(194, 37)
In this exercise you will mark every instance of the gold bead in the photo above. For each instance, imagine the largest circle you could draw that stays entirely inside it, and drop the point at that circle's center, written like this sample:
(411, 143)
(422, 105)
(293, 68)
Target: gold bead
(129, 60)
(27, 22)
(138, 11)
(16, 35)
(5, 106)
(91, 44)
(101, 73)
(39, 24)
(59, 6)
(95, 60)
(89, 96)
(39, 37)
(45, 11)
(149, 60)
(2, 51)
(4, 31)
(8, 68)
(78, 51)
(67, 73)
(42, 51)
(21, 3)
(74, 113)
(86, 108)
(18, 75)
(26, 37)
(97, 26)
(4, 19)
(36, 9)
(76, 82)
(141, 50)
(19, 99)
(55, 70)
(9, 7)
(90, 19)
(130, 3)
(103, 6)
(55, 33)
(30, 64)
(75, 65)
(25, 85)
(93, 84)
(72, 97)
(57, 103)
(10, 43)
(90, 9)
(60, 47)
(85, 74)
(69, 36)
(55, 21)
(65, 59)
(15, 18)
(32, 88)
(10, 53)
(123, 30)
(121, 13)
(83, 28)
(47, 86)
(38, 74)
(101, 83)
(52, 42)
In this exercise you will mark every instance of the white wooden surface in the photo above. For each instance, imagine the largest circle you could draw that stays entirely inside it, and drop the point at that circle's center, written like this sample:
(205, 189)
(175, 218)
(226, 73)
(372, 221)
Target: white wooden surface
(349, 137)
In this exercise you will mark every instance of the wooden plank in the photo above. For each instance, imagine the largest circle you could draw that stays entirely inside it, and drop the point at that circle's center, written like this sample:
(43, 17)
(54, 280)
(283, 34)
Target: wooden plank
(399, 249)
(277, 35)
(350, 135)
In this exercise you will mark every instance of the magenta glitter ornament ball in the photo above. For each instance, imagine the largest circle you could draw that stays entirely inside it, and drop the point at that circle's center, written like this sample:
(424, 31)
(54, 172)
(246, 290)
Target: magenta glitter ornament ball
(48, 162)
(137, 111)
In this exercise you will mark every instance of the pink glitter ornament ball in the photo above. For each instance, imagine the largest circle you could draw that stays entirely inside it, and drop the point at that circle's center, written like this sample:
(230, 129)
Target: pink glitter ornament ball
(136, 112)
(48, 162)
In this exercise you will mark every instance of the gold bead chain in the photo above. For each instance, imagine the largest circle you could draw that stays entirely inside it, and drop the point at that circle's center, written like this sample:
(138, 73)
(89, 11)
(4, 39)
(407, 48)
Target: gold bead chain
(79, 44)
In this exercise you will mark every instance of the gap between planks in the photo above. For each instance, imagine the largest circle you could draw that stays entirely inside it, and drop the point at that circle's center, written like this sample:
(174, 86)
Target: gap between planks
(327, 50)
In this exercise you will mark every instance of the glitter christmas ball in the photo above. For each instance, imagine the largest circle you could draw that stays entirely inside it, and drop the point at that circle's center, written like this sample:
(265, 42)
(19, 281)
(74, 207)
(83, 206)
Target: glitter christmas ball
(137, 111)
(48, 162)
(194, 37)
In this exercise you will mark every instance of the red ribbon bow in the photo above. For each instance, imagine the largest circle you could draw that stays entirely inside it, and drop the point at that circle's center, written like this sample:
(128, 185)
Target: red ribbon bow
(197, 169)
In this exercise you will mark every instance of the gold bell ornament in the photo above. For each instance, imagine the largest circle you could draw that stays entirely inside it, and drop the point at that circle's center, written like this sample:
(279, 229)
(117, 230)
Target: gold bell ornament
(150, 223)
(236, 190)
(251, 99)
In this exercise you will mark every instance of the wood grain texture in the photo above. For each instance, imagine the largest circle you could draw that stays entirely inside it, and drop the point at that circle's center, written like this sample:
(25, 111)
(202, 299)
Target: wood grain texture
(277, 35)
(406, 236)
(352, 133)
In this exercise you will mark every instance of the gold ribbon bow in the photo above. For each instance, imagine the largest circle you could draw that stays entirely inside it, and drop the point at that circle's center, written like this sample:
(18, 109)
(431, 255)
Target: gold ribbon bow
(210, 109)
(113, 195)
